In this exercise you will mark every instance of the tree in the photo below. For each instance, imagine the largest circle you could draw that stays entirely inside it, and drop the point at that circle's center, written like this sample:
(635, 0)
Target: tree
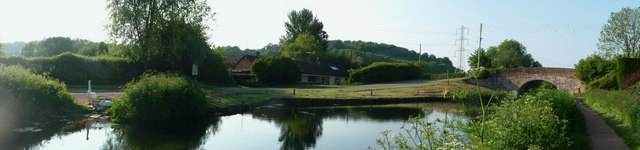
(95, 49)
(484, 59)
(276, 70)
(1, 48)
(593, 67)
(510, 54)
(29, 49)
(304, 47)
(139, 22)
(621, 34)
(303, 21)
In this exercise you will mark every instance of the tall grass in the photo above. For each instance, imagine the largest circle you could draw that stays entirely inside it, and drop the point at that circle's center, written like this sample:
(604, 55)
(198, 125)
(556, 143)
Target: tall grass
(26, 95)
(620, 109)
(161, 98)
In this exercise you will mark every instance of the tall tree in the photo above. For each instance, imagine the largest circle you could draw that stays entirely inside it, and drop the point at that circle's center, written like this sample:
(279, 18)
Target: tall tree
(303, 21)
(139, 22)
(29, 49)
(621, 34)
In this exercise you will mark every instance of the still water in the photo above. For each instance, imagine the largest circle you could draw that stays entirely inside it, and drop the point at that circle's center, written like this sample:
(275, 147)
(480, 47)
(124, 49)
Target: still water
(354, 127)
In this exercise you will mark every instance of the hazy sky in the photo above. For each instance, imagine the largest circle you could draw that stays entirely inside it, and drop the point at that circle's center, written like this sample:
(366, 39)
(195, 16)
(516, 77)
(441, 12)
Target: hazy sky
(556, 32)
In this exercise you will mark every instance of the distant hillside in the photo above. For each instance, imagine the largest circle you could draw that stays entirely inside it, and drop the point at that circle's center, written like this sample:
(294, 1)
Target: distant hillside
(13, 49)
(367, 52)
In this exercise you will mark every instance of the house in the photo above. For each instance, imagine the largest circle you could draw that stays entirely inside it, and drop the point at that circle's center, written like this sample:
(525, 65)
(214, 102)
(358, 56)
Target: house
(243, 65)
(318, 73)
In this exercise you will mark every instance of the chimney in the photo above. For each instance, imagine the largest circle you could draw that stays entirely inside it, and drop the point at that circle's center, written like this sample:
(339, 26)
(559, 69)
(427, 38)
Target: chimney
(258, 54)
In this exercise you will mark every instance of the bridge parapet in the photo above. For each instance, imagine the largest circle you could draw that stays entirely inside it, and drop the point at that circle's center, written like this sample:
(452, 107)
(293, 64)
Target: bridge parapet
(513, 79)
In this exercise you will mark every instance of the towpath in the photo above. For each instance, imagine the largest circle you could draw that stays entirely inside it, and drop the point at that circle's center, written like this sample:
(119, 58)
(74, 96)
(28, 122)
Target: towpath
(602, 136)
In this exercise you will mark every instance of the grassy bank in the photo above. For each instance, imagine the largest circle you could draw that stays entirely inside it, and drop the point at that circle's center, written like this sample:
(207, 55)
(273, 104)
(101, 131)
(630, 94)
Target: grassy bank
(620, 110)
(231, 98)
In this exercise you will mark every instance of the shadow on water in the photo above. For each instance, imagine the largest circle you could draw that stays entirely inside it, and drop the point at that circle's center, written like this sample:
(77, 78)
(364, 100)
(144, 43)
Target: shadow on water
(31, 134)
(179, 136)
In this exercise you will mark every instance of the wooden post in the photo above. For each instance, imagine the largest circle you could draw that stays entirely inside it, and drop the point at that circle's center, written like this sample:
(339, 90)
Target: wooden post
(294, 91)
(371, 92)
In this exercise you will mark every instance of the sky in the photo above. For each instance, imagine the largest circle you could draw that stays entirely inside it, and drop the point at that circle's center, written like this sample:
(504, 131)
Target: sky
(556, 33)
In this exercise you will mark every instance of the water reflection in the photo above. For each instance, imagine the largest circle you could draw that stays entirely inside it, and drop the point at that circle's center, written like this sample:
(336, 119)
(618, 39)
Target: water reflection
(301, 127)
(354, 127)
(182, 136)
(31, 134)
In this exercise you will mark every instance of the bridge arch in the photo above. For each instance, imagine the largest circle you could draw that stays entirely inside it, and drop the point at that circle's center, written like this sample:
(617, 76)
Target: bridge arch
(513, 79)
(528, 86)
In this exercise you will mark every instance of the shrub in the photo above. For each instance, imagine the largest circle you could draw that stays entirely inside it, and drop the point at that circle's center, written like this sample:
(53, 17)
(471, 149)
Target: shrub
(481, 73)
(276, 70)
(386, 72)
(160, 98)
(593, 67)
(607, 82)
(26, 95)
(535, 121)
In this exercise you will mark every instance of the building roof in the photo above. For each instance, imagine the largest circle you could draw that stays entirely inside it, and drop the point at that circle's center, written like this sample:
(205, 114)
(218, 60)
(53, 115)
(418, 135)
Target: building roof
(313, 68)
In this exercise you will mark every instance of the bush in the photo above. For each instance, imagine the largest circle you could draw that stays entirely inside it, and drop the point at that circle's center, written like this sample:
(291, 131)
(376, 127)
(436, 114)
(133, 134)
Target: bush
(25, 95)
(276, 70)
(386, 72)
(607, 82)
(536, 121)
(160, 98)
(593, 67)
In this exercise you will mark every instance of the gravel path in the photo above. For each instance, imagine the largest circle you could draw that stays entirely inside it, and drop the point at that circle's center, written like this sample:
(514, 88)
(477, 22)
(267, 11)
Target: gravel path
(368, 86)
(602, 136)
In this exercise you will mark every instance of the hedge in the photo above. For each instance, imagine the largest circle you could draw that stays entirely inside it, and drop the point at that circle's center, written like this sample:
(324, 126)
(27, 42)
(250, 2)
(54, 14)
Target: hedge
(386, 72)
(77, 70)
(626, 66)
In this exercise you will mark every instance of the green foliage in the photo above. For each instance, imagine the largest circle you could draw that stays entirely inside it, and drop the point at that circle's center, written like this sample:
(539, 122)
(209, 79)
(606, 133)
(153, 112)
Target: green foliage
(623, 105)
(369, 52)
(386, 72)
(53, 46)
(607, 82)
(276, 70)
(243, 79)
(425, 135)
(161, 98)
(485, 61)
(13, 49)
(536, 121)
(1, 49)
(510, 54)
(77, 70)
(95, 49)
(301, 22)
(480, 73)
(620, 36)
(593, 67)
(626, 66)
(305, 47)
(29, 96)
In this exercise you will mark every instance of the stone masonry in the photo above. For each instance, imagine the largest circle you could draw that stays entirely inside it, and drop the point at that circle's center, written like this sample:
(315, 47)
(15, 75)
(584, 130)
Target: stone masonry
(514, 78)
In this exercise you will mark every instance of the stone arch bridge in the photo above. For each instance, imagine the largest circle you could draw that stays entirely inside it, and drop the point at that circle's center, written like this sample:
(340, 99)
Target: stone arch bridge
(516, 79)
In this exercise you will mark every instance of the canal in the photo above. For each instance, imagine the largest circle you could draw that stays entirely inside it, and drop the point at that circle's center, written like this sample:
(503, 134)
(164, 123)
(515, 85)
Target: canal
(344, 127)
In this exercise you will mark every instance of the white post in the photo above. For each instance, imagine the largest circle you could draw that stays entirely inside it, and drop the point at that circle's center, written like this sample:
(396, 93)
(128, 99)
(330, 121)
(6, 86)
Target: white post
(89, 90)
